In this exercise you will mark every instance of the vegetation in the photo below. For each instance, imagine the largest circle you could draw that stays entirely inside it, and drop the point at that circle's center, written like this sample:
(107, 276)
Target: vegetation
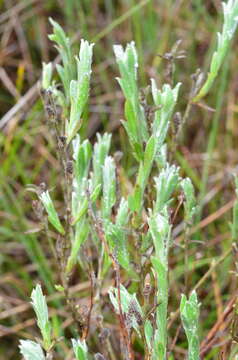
(117, 235)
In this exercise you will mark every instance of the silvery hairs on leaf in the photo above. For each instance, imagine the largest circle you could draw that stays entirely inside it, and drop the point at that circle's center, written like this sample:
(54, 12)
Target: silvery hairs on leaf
(128, 301)
(230, 12)
(79, 89)
(189, 310)
(165, 99)
(100, 152)
(136, 126)
(80, 349)
(190, 201)
(46, 75)
(30, 350)
(40, 307)
(109, 186)
(82, 153)
(160, 229)
(50, 209)
(165, 184)
(68, 70)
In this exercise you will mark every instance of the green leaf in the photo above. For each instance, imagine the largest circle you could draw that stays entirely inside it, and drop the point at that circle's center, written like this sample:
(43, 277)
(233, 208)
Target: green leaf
(160, 229)
(118, 233)
(59, 35)
(82, 153)
(122, 213)
(81, 210)
(59, 288)
(161, 156)
(189, 310)
(162, 294)
(30, 350)
(148, 328)
(165, 183)
(160, 341)
(128, 63)
(83, 204)
(136, 200)
(67, 72)
(95, 193)
(109, 186)
(46, 75)
(116, 236)
(79, 89)
(40, 307)
(146, 242)
(100, 152)
(230, 11)
(50, 209)
(136, 125)
(150, 151)
(81, 234)
(166, 100)
(159, 350)
(190, 201)
(127, 300)
(80, 349)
